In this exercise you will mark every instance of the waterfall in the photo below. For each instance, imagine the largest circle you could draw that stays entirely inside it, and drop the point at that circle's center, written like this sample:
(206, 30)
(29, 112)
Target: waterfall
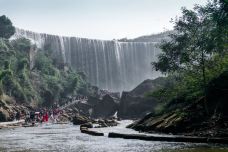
(111, 65)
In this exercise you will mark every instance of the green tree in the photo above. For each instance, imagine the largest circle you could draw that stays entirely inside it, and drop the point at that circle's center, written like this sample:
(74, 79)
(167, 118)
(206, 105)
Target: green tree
(6, 27)
(196, 40)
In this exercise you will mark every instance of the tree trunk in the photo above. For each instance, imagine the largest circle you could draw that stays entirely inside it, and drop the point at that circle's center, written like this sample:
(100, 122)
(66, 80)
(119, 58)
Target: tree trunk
(204, 81)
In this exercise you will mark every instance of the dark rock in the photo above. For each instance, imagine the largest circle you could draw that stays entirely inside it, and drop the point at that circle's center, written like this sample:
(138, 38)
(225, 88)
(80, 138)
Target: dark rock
(93, 133)
(132, 107)
(64, 117)
(87, 125)
(84, 108)
(134, 104)
(8, 108)
(93, 100)
(111, 123)
(147, 86)
(79, 120)
(101, 121)
(103, 125)
(4, 115)
(83, 128)
(106, 123)
(115, 95)
(142, 88)
(107, 107)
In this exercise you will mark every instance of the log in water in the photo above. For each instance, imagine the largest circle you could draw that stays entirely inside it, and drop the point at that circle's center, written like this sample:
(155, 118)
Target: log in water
(169, 138)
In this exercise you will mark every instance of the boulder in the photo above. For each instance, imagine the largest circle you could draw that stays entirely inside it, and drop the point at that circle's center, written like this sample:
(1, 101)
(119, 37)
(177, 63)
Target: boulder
(134, 107)
(87, 125)
(84, 108)
(106, 108)
(106, 123)
(111, 123)
(147, 85)
(93, 100)
(83, 128)
(4, 115)
(134, 104)
(64, 117)
(101, 121)
(79, 120)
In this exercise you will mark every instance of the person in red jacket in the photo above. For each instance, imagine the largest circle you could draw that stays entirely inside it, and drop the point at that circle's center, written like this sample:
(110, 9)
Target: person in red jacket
(45, 117)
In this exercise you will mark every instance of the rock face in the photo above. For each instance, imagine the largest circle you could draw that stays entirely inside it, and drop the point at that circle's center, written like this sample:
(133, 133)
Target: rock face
(105, 108)
(134, 104)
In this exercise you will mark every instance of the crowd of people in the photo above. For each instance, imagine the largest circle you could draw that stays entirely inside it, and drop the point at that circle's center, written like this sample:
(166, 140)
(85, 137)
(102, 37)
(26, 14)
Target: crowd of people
(39, 116)
(46, 115)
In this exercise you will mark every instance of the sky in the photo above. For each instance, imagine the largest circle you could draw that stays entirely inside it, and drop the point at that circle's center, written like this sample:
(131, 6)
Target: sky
(99, 19)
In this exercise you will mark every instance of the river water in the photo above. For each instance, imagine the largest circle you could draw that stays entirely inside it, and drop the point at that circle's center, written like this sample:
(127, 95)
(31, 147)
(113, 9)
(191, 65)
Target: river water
(67, 138)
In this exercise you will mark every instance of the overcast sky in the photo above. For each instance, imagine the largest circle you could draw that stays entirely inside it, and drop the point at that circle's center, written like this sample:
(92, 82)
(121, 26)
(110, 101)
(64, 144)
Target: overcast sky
(101, 19)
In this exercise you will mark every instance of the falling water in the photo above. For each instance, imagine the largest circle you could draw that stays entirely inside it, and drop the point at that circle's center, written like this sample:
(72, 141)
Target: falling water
(111, 65)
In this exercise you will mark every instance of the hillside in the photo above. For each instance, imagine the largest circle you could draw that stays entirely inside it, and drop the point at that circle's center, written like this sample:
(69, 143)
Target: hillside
(156, 38)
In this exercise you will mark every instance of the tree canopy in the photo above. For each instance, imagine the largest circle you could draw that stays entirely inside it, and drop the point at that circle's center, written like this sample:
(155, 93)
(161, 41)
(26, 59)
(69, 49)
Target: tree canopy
(6, 27)
(196, 53)
(199, 33)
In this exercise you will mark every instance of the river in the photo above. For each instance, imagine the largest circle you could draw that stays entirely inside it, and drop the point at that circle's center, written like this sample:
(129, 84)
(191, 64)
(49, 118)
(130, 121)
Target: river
(67, 138)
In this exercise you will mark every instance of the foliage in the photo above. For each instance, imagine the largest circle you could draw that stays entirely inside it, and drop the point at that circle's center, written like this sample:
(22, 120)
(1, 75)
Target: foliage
(56, 84)
(44, 64)
(44, 82)
(196, 53)
(6, 27)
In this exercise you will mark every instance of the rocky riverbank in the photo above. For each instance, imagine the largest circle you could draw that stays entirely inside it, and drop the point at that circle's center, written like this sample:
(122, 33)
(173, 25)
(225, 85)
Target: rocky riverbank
(205, 116)
(9, 107)
(191, 121)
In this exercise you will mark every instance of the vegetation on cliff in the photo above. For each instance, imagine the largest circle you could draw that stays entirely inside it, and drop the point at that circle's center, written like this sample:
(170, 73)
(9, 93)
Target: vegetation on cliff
(38, 80)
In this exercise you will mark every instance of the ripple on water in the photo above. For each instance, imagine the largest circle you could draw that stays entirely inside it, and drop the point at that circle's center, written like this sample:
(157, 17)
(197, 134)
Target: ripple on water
(67, 138)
